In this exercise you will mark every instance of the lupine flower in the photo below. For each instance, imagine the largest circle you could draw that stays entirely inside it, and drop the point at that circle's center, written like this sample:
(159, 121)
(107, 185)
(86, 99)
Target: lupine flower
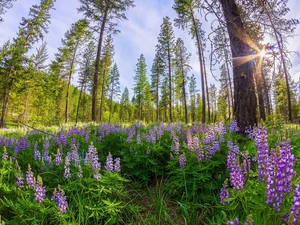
(79, 173)
(224, 193)
(280, 174)
(97, 175)
(182, 161)
(67, 173)
(109, 165)
(171, 157)
(234, 167)
(61, 200)
(4, 155)
(29, 177)
(236, 221)
(249, 220)
(148, 151)
(234, 126)
(20, 177)
(63, 139)
(117, 165)
(261, 141)
(46, 156)
(295, 209)
(138, 139)
(87, 136)
(46, 145)
(37, 154)
(58, 158)
(39, 190)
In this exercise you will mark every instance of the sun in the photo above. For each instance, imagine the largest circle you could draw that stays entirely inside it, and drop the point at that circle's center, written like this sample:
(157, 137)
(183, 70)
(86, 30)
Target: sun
(262, 53)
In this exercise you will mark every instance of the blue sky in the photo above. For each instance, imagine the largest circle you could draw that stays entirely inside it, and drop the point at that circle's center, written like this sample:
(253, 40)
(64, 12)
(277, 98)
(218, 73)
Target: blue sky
(138, 34)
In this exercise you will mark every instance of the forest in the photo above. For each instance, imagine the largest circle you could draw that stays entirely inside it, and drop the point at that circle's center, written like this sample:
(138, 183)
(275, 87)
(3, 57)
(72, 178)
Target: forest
(177, 147)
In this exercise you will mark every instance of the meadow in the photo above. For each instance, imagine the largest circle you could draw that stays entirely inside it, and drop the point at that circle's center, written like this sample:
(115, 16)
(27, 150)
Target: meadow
(150, 174)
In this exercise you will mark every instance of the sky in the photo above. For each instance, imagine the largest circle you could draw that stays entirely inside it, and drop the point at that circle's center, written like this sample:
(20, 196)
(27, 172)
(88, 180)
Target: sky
(138, 34)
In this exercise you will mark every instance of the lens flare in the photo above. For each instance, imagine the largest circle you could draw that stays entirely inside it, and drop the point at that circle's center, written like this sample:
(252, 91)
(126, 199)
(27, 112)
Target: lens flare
(262, 53)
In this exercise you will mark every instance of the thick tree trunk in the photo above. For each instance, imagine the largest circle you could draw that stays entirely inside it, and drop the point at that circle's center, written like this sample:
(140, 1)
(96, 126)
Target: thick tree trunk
(97, 63)
(245, 101)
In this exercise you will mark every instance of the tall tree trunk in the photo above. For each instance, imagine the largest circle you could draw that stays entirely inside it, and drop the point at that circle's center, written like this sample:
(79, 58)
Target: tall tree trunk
(110, 106)
(97, 63)
(206, 84)
(170, 85)
(230, 97)
(266, 91)
(157, 98)
(102, 95)
(6, 95)
(198, 39)
(69, 82)
(244, 89)
(284, 66)
(261, 102)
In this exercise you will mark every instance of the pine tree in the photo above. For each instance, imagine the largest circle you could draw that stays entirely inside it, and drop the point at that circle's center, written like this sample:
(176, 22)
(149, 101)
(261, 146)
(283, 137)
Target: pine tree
(85, 74)
(166, 45)
(125, 103)
(5, 4)
(140, 81)
(30, 31)
(181, 61)
(106, 14)
(105, 67)
(156, 76)
(113, 87)
(186, 19)
(193, 93)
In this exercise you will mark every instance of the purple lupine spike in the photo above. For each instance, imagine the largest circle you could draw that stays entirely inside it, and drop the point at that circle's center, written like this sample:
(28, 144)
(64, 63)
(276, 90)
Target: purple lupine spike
(224, 193)
(234, 126)
(4, 155)
(39, 191)
(37, 154)
(295, 209)
(117, 165)
(261, 141)
(60, 199)
(236, 221)
(29, 177)
(20, 177)
(67, 173)
(58, 157)
(182, 161)
(109, 165)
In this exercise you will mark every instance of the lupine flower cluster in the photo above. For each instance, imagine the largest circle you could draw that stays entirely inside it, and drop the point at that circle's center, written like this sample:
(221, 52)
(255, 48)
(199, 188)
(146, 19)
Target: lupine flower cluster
(60, 199)
(39, 190)
(67, 173)
(58, 157)
(224, 193)
(234, 126)
(261, 141)
(295, 210)
(280, 174)
(110, 166)
(234, 167)
(62, 139)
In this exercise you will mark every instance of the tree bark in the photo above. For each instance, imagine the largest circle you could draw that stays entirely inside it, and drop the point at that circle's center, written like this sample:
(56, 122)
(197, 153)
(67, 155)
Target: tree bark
(198, 39)
(245, 101)
(170, 85)
(96, 75)
(69, 83)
